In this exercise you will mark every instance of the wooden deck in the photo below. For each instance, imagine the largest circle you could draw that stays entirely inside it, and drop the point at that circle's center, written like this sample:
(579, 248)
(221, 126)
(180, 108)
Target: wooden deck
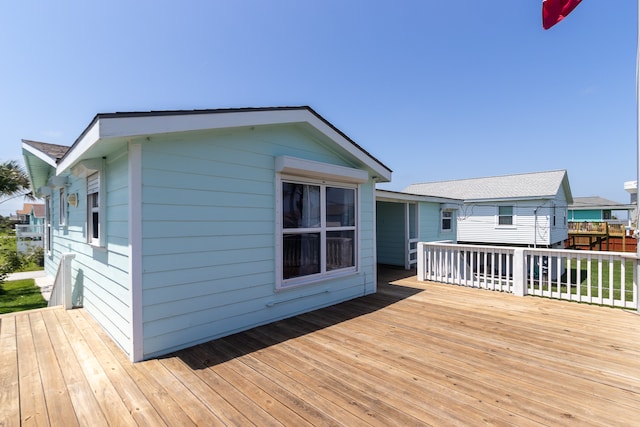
(413, 354)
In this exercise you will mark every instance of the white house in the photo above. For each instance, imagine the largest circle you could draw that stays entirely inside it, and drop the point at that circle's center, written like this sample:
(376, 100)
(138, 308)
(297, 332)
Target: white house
(190, 225)
(528, 209)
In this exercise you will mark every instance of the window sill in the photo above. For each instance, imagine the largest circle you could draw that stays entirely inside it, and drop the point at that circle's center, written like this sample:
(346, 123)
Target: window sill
(97, 247)
(314, 280)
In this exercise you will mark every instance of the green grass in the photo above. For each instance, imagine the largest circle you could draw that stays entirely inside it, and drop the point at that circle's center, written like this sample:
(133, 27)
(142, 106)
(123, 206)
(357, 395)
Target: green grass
(572, 273)
(8, 246)
(20, 295)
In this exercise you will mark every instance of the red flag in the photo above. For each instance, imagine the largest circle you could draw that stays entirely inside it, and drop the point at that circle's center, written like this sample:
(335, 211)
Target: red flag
(554, 11)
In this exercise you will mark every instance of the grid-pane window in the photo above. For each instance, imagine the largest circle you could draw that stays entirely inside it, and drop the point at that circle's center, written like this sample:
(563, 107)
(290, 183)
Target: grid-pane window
(505, 215)
(318, 230)
(446, 220)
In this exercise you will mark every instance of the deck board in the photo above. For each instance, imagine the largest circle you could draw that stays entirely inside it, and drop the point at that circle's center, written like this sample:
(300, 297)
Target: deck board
(9, 382)
(412, 354)
(33, 408)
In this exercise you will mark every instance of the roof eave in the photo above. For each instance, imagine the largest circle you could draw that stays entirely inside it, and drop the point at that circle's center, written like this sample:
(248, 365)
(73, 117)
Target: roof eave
(396, 196)
(128, 125)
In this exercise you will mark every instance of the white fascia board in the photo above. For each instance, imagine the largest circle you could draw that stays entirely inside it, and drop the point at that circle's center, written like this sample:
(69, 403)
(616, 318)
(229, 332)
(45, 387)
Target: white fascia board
(116, 127)
(132, 126)
(148, 125)
(384, 175)
(39, 154)
(396, 196)
(510, 199)
(88, 140)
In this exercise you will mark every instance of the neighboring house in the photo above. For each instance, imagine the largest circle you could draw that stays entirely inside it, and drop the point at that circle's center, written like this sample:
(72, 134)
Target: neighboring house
(632, 188)
(403, 219)
(596, 209)
(520, 210)
(600, 224)
(30, 228)
(190, 225)
(31, 213)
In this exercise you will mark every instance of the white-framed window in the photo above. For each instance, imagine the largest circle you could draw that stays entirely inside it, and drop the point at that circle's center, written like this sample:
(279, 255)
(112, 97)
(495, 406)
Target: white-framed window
(47, 225)
(446, 219)
(505, 215)
(317, 230)
(62, 215)
(94, 213)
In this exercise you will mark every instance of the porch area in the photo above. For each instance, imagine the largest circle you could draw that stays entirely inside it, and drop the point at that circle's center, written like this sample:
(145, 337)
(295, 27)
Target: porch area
(414, 353)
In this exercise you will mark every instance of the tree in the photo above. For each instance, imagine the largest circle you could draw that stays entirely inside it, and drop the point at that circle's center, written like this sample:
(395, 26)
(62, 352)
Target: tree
(14, 181)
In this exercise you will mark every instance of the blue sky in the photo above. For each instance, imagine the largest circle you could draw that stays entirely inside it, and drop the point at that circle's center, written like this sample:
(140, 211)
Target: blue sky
(436, 90)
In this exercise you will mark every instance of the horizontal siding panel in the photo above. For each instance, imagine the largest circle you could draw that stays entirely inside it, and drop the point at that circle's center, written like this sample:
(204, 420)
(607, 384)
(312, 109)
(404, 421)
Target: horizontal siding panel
(215, 302)
(167, 293)
(212, 184)
(160, 229)
(116, 327)
(251, 167)
(201, 259)
(206, 213)
(119, 212)
(177, 276)
(189, 197)
(114, 291)
(182, 245)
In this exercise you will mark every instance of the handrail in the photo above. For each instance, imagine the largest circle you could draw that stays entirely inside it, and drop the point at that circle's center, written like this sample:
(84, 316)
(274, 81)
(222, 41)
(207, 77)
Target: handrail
(597, 277)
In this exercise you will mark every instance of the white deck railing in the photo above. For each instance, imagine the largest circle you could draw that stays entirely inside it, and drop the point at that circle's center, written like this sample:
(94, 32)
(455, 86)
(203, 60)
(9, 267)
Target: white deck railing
(29, 237)
(606, 278)
(28, 230)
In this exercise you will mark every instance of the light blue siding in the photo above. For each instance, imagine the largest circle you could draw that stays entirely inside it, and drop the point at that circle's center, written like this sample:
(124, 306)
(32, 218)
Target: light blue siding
(208, 235)
(100, 275)
(390, 226)
(391, 234)
(431, 223)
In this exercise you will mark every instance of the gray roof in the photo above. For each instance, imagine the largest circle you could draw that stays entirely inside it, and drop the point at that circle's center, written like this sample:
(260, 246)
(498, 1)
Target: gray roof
(596, 202)
(54, 151)
(524, 186)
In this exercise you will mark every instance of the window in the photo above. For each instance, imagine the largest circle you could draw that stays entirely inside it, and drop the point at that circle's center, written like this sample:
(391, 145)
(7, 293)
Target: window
(446, 216)
(93, 209)
(318, 227)
(606, 214)
(62, 217)
(47, 225)
(505, 215)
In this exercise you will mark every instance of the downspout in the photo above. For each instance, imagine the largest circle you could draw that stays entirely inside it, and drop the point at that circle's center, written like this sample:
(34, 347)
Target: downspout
(535, 227)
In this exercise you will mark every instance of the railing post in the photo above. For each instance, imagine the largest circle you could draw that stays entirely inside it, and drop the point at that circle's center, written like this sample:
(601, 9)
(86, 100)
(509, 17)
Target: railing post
(422, 259)
(67, 291)
(636, 283)
(519, 273)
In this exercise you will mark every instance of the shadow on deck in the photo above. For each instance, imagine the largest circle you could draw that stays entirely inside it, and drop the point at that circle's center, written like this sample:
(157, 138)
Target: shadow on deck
(242, 343)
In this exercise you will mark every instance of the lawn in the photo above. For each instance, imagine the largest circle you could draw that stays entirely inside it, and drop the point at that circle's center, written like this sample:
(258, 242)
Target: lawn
(19, 295)
(610, 278)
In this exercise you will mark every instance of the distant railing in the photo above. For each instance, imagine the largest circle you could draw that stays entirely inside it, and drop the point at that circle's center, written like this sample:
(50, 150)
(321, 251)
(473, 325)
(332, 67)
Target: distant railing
(587, 227)
(29, 230)
(605, 278)
(600, 228)
(29, 237)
